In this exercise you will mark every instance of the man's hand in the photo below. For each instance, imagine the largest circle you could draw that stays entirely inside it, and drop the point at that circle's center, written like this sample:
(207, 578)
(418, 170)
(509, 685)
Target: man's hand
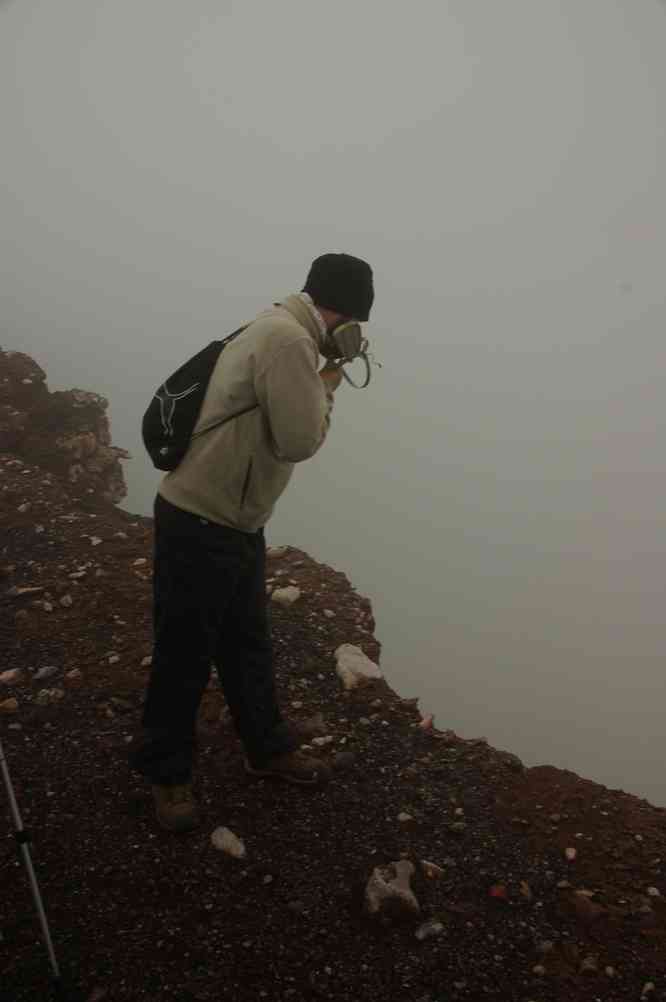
(331, 376)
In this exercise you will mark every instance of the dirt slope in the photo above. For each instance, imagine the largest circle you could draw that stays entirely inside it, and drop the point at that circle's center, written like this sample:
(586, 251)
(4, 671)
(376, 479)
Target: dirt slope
(138, 914)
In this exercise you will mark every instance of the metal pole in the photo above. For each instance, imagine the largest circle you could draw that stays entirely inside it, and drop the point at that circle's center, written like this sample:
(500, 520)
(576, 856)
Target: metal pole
(22, 840)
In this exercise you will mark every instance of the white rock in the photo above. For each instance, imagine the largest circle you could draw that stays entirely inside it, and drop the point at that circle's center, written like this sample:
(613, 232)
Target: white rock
(322, 741)
(653, 892)
(47, 606)
(225, 840)
(570, 854)
(147, 661)
(66, 601)
(431, 928)
(329, 613)
(389, 887)
(47, 696)
(114, 659)
(95, 540)
(354, 667)
(74, 673)
(23, 508)
(139, 562)
(286, 596)
(275, 552)
(11, 676)
(648, 987)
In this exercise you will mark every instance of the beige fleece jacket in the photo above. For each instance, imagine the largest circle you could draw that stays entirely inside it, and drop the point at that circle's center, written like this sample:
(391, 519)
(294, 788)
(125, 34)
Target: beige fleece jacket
(234, 474)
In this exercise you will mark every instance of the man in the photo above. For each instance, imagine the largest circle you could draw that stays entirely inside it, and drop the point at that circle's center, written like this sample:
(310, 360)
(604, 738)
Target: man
(209, 560)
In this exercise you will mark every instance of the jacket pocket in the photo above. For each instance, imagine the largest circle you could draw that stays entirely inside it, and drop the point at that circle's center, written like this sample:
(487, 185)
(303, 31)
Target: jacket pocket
(246, 483)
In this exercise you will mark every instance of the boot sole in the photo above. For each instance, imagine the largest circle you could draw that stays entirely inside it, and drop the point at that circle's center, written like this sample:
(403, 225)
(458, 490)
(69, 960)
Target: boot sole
(268, 774)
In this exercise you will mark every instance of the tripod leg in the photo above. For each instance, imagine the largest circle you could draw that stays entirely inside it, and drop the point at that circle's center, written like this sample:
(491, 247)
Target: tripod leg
(22, 841)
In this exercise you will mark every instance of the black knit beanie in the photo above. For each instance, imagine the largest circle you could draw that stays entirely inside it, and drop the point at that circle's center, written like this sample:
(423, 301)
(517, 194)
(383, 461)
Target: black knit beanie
(342, 283)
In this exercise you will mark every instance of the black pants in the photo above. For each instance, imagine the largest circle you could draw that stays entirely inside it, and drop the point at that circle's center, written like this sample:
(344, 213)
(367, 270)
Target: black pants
(209, 609)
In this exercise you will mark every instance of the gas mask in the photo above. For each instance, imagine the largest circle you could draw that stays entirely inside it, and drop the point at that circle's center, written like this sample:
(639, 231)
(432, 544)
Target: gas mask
(344, 344)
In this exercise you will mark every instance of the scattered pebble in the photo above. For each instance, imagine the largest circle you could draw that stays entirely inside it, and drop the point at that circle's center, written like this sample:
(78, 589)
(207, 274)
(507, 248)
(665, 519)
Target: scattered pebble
(45, 697)
(286, 596)
(431, 928)
(225, 840)
(45, 672)
(431, 870)
(11, 676)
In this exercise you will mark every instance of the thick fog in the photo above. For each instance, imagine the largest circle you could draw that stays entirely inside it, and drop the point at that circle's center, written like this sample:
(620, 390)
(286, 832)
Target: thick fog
(170, 169)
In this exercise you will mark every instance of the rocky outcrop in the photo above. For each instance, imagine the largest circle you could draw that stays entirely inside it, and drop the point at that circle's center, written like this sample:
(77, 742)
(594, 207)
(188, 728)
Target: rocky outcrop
(65, 432)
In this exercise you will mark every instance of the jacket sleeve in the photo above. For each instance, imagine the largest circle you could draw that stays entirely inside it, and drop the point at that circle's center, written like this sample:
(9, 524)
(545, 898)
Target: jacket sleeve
(295, 401)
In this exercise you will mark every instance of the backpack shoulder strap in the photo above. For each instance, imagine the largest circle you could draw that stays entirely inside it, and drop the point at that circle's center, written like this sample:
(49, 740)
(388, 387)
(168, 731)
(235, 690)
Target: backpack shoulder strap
(223, 343)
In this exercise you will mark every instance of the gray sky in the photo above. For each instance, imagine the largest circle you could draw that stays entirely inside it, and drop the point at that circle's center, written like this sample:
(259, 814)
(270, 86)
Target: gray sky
(170, 169)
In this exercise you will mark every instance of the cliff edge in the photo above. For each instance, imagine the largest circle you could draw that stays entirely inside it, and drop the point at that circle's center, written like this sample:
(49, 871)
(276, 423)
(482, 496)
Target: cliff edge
(432, 867)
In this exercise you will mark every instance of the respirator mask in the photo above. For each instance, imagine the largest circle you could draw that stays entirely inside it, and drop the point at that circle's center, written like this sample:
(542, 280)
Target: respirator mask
(344, 344)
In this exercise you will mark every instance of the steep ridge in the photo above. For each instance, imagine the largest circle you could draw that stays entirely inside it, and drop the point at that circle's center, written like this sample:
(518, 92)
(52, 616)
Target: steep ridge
(525, 884)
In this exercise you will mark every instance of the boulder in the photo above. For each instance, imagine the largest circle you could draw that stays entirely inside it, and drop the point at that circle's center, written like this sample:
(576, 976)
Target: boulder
(388, 893)
(354, 667)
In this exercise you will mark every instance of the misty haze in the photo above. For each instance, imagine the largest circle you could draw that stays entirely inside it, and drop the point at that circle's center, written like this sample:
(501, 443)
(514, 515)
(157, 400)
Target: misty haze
(169, 170)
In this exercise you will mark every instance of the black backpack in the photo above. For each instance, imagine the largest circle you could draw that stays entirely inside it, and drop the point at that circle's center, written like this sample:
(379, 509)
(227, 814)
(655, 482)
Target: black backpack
(172, 414)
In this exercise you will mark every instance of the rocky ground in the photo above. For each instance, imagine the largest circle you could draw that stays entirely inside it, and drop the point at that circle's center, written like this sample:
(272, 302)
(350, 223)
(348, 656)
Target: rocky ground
(521, 884)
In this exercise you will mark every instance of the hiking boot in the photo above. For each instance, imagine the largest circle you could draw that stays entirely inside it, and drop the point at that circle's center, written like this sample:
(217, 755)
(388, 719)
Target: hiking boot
(175, 807)
(293, 767)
